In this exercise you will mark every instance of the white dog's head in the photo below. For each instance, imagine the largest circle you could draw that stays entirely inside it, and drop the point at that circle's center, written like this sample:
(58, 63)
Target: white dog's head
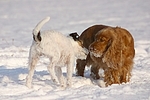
(80, 51)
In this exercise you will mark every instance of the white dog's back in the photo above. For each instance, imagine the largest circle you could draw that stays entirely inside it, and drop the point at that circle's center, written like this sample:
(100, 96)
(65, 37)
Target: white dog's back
(55, 38)
(54, 43)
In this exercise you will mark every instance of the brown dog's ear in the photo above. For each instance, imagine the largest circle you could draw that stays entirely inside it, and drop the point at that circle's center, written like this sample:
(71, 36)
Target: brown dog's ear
(117, 49)
(112, 54)
(75, 36)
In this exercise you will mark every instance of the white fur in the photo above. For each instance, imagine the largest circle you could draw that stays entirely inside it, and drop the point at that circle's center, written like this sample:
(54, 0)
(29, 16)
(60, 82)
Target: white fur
(60, 50)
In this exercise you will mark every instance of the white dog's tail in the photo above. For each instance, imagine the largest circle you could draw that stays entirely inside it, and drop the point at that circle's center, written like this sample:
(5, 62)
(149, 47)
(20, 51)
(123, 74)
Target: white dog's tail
(36, 30)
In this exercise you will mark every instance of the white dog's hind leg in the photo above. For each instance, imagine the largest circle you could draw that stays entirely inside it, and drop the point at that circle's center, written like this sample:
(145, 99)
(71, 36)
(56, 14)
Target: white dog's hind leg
(60, 76)
(51, 69)
(32, 64)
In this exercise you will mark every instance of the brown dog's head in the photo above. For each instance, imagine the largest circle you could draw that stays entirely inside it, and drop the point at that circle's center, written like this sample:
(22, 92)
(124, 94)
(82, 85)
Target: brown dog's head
(114, 45)
(103, 40)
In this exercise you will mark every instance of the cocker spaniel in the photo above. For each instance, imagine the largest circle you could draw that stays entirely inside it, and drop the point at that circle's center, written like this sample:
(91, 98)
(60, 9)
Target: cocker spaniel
(61, 51)
(113, 50)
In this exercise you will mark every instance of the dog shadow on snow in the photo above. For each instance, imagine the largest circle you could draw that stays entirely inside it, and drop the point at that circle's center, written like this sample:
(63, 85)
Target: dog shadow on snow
(18, 75)
(40, 78)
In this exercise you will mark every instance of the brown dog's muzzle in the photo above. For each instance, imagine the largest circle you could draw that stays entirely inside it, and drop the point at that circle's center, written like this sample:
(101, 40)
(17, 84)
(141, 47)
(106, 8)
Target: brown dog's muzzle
(92, 48)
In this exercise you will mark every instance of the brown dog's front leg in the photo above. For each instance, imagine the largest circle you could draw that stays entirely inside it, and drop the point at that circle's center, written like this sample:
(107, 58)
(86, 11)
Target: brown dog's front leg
(80, 66)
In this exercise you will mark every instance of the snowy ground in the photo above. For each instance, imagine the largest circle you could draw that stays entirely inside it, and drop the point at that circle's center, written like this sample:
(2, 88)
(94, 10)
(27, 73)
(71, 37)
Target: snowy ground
(19, 17)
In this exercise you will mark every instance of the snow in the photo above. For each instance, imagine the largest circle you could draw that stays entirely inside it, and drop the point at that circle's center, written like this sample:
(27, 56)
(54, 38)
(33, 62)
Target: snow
(19, 17)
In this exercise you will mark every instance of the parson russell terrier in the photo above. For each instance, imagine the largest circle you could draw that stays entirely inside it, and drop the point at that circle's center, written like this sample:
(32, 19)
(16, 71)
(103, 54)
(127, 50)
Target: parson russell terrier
(61, 51)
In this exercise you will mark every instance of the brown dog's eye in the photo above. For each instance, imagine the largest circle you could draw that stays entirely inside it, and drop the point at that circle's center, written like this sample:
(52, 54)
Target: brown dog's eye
(103, 39)
(100, 40)
(97, 40)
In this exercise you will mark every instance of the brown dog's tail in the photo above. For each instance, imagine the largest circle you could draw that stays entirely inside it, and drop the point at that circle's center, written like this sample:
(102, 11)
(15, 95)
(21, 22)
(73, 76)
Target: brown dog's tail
(36, 31)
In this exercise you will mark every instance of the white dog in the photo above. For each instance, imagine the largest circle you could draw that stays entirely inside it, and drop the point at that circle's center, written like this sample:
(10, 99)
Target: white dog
(60, 50)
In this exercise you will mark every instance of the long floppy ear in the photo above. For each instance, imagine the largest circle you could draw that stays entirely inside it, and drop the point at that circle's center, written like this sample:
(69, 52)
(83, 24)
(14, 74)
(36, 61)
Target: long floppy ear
(112, 56)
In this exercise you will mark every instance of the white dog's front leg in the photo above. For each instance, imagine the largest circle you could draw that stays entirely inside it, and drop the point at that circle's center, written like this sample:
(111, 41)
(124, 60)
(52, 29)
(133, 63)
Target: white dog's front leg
(70, 71)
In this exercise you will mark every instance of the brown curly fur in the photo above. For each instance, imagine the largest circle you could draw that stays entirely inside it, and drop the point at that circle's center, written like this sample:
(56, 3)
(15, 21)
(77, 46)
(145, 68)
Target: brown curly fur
(113, 48)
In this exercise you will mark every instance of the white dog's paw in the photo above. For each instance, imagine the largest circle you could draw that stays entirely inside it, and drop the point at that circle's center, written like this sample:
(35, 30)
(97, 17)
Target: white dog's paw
(69, 84)
(29, 85)
(55, 81)
(28, 82)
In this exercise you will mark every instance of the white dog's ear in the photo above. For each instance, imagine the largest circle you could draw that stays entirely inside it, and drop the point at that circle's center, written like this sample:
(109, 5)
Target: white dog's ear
(75, 36)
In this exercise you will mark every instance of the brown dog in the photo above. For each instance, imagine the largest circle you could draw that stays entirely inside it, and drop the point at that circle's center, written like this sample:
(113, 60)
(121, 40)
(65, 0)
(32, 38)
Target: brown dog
(117, 68)
(113, 49)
